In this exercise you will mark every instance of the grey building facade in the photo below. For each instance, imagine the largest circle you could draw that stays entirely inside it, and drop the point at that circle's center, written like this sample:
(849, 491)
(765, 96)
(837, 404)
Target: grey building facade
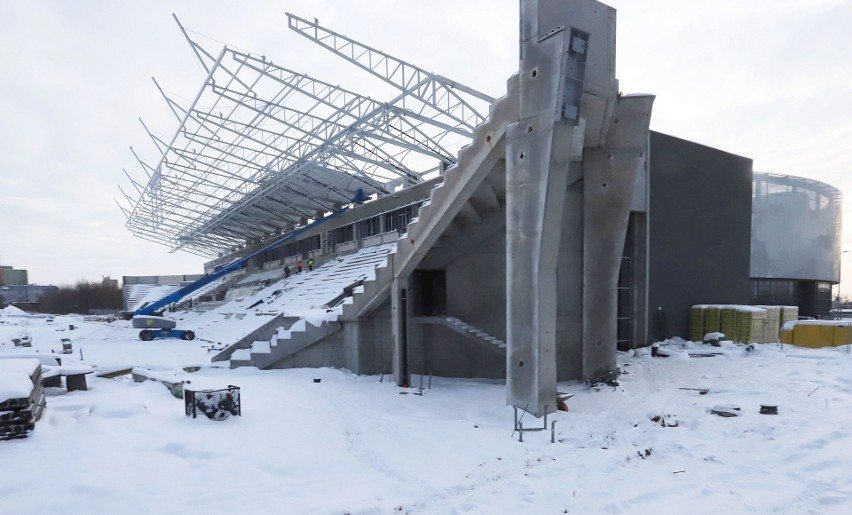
(11, 277)
(700, 231)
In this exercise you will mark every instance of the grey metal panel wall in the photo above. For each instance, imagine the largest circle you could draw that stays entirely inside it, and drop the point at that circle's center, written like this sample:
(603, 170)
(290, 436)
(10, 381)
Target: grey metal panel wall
(700, 231)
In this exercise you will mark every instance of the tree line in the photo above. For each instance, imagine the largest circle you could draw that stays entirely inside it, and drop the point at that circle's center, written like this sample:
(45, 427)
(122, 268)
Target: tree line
(81, 298)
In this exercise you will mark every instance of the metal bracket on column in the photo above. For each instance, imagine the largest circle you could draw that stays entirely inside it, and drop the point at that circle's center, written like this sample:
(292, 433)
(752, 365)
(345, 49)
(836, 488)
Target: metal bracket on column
(519, 426)
(573, 75)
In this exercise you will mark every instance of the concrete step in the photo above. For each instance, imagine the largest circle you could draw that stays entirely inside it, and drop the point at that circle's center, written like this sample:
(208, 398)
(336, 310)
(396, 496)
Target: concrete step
(287, 343)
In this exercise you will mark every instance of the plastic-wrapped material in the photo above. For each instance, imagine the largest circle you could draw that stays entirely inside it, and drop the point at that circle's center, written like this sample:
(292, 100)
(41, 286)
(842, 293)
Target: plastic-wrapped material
(696, 322)
(712, 319)
(750, 324)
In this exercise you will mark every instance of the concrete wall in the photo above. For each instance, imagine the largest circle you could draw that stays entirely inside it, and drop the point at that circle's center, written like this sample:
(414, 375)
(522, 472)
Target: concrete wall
(160, 279)
(569, 287)
(476, 284)
(699, 230)
(475, 265)
(443, 352)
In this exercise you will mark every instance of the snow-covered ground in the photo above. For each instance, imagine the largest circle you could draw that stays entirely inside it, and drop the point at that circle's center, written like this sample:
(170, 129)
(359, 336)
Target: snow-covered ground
(361, 445)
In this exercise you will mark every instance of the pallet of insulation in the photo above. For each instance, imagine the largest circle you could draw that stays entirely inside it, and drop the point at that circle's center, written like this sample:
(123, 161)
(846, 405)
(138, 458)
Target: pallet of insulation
(712, 318)
(728, 321)
(750, 323)
(772, 328)
(789, 314)
(696, 322)
(22, 397)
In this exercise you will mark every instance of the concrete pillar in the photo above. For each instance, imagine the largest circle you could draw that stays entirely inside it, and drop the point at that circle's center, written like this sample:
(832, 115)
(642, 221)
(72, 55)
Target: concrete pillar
(400, 316)
(538, 152)
(609, 178)
(532, 253)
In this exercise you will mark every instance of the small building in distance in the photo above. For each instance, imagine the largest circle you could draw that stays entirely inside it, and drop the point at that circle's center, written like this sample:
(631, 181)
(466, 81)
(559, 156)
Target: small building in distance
(11, 277)
(25, 296)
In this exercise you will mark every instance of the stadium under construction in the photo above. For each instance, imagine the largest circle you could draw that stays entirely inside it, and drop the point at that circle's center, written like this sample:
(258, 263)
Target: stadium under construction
(562, 231)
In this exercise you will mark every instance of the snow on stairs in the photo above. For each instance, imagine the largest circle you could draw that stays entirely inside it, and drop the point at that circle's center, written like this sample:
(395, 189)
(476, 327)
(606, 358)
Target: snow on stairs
(369, 294)
(316, 298)
(303, 334)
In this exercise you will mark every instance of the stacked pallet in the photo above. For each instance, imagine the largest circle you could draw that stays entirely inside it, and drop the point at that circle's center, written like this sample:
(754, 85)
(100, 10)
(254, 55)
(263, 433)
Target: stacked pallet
(728, 321)
(772, 327)
(740, 323)
(750, 324)
(789, 313)
(22, 397)
(712, 319)
(696, 322)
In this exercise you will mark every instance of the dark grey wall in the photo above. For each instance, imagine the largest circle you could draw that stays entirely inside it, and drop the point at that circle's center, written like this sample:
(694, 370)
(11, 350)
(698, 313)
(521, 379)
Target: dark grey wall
(475, 265)
(699, 231)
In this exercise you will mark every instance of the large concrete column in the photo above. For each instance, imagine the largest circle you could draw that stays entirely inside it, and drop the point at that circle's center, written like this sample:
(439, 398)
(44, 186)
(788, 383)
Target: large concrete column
(609, 178)
(538, 153)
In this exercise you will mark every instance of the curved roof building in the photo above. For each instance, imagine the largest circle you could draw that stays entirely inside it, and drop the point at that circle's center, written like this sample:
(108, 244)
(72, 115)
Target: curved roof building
(795, 242)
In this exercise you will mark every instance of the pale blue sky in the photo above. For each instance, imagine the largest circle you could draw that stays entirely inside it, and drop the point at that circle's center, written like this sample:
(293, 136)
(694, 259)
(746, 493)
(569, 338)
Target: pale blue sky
(766, 79)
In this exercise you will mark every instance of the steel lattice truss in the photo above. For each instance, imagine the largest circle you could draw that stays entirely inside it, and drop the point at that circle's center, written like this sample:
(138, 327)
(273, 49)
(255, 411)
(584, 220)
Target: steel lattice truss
(262, 148)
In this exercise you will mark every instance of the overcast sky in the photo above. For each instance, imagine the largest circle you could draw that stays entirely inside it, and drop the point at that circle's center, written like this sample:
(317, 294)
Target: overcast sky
(766, 79)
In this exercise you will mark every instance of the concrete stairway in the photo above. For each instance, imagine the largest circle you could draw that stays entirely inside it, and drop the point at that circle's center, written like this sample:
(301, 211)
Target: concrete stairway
(369, 295)
(286, 342)
(467, 191)
(464, 193)
(305, 308)
(462, 327)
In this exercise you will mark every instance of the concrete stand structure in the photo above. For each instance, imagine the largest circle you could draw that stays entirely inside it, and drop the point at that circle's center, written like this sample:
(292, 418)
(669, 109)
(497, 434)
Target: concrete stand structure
(533, 254)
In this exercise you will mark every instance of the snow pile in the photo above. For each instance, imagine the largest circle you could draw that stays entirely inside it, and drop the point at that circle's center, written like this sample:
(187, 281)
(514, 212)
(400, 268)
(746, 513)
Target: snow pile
(11, 310)
(15, 378)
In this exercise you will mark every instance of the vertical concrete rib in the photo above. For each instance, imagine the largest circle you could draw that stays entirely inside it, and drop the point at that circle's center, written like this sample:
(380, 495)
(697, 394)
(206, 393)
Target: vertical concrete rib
(609, 178)
(537, 159)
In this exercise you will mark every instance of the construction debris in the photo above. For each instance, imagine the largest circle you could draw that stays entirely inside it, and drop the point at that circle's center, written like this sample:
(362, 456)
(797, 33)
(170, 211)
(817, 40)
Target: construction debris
(22, 399)
(725, 410)
(170, 381)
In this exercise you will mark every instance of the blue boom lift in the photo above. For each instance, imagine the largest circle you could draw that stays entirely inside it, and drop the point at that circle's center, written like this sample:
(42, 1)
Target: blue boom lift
(150, 317)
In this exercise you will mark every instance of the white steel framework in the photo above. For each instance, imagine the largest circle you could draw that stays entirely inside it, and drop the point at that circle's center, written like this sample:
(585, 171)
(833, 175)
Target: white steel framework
(262, 148)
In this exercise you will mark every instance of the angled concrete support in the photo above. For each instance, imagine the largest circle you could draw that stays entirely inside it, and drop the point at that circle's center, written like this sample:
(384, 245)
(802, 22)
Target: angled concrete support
(561, 151)
(552, 71)
(609, 178)
(531, 256)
